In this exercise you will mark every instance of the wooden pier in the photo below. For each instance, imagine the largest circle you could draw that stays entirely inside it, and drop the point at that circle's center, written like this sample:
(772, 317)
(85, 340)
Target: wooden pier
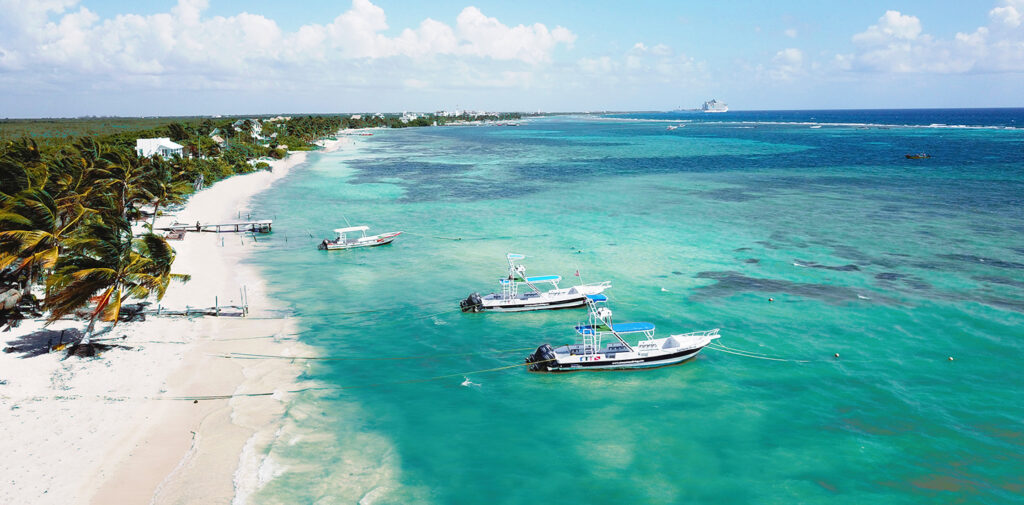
(259, 226)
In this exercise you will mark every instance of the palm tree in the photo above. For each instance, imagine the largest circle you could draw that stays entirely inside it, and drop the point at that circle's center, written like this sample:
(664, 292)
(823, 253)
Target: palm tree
(247, 128)
(21, 167)
(122, 173)
(32, 231)
(107, 261)
(178, 132)
(162, 186)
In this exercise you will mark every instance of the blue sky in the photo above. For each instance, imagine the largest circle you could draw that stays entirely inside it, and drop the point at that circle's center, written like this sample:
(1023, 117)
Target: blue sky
(90, 57)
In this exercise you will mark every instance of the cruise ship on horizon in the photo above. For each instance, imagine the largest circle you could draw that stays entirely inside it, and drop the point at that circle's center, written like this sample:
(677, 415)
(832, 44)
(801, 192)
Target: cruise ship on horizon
(714, 106)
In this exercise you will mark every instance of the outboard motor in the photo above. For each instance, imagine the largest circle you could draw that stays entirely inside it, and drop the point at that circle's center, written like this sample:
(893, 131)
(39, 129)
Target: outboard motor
(323, 245)
(541, 359)
(472, 303)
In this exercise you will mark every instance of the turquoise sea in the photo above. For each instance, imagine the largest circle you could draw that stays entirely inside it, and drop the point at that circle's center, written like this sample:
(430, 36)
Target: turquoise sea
(895, 264)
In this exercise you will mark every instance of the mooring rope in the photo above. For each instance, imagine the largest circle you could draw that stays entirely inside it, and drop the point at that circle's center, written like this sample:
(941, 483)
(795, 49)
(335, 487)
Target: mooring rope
(440, 237)
(338, 388)
(747, 354)
(246, 355)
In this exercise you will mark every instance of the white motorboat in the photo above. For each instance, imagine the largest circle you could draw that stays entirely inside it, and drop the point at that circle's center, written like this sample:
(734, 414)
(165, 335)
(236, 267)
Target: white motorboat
(592, 353)
(520, 293)
(355, 236)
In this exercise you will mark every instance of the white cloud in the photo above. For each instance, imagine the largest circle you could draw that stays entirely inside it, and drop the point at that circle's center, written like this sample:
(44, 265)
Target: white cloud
(1011, 14)
(898, 44)
(60, 40)
(657, 64)
(791, 33)
(891, 26)
(786, 65)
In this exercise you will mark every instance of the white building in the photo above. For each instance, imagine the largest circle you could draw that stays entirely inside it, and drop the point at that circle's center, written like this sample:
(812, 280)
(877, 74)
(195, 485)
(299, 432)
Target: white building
(162, 146)
(257, 127)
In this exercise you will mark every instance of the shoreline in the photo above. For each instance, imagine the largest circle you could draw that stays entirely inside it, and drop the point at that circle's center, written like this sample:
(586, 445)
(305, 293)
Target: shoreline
(102, 430)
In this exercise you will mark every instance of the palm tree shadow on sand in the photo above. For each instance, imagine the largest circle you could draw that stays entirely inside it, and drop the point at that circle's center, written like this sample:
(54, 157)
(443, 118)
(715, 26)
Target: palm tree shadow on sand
(68, 341)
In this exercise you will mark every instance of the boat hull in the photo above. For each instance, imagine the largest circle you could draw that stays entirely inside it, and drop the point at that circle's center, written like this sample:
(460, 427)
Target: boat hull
(566, 298)
(647, 353)
(376, 241)
(523, 306)
(631, 363)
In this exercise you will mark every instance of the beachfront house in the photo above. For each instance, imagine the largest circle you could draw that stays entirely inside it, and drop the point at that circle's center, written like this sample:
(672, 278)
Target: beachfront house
(162, 146)
(356, 117)
(406, 117)
(257, 127)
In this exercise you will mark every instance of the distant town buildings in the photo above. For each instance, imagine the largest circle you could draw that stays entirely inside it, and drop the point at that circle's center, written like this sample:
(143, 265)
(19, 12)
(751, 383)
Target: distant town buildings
(162, 146)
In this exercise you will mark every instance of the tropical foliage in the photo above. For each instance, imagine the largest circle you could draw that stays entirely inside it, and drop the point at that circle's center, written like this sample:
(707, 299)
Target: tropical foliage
(67, 204)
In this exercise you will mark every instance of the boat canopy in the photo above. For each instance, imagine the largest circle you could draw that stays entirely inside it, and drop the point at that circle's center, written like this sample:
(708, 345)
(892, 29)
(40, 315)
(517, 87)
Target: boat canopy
(598, 298)
(539, 278)
(618, 328)
(351, 228)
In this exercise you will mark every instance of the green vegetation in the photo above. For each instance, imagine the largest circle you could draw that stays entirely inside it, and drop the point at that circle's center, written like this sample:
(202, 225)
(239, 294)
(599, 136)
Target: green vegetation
(70, 189)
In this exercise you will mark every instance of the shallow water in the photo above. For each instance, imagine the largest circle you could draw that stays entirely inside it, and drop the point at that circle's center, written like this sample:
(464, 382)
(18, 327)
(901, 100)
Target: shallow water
(895, 264)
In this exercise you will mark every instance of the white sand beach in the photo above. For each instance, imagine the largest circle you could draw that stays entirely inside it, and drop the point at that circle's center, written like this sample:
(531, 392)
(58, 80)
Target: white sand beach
(107, 429)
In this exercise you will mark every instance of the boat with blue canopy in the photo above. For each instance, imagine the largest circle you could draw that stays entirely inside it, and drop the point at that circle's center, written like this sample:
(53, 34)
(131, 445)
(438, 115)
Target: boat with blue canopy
(592, 352)
(520, 292)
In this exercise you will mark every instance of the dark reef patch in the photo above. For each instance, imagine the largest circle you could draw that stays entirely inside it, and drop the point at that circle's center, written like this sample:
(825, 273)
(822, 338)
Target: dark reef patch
(912, 281)
(981, 260)
(730, 283)
(992, 279)
(841, 268)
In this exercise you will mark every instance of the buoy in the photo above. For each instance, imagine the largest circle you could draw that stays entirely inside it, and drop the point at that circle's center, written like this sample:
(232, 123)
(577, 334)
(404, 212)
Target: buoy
(837, 354)
(771, 300)
(951, 358)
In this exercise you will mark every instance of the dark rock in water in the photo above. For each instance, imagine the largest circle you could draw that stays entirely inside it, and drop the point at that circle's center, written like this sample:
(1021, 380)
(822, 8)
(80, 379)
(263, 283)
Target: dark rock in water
(852, 253)
(993, 262)
(912, 281)
(814, 264)
(729, 195)
(991, 279)
(677, 272)
(751, 260)
(730, 283)
(1005, 303)
(741, 249)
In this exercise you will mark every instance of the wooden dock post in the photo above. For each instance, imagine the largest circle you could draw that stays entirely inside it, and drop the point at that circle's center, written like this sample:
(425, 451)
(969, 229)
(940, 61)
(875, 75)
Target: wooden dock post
(216, 307)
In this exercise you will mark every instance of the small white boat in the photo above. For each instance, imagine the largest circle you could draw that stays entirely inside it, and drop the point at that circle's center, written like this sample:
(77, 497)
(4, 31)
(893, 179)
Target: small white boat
(591, 353)
(355, 236)
(514, 299)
